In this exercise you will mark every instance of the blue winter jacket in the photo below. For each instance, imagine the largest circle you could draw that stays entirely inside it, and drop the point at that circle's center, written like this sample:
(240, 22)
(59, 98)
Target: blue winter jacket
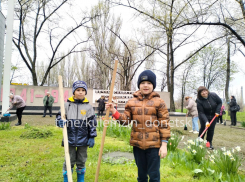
(81, 121)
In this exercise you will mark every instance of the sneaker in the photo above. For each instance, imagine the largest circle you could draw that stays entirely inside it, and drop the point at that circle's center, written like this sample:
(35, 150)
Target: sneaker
(43, 116)
(211, 147)
(196, 132)
(17, 124)
(191, 131)
(222, 123)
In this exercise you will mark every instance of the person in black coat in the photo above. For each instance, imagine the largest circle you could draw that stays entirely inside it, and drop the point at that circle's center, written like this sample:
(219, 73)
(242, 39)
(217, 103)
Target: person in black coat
(101, 106)
(208, 104)
(233, 113)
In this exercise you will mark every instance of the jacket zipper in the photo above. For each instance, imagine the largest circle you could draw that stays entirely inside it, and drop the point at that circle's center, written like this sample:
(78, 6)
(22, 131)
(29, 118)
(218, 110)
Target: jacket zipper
(210, 107)
(143, 123)
(76, 127)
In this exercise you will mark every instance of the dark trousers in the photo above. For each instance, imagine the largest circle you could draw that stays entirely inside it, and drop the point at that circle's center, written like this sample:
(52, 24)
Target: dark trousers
(210, 131)
(233, 118)
(19, 112)
(220, 118)
(101, 112)
(148, 163)
(49, 108)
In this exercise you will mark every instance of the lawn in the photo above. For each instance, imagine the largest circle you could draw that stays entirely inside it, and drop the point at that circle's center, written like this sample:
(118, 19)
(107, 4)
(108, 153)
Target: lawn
(37, 160)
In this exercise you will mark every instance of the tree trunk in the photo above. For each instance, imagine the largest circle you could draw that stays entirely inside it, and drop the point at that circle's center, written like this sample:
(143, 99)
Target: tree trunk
(172, 105)
(34, 77)
(228, 70)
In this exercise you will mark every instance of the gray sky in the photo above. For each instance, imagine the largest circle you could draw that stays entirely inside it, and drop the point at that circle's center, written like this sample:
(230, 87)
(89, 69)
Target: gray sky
(129, 27)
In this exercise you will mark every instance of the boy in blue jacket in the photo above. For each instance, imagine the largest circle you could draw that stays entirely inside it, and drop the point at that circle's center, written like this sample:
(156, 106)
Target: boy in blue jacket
(81, 128)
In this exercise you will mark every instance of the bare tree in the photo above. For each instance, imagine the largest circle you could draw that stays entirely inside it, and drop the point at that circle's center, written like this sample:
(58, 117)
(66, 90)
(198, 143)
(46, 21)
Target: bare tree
(228, 14)
(186, 74)
(39, 20)
(168, 22)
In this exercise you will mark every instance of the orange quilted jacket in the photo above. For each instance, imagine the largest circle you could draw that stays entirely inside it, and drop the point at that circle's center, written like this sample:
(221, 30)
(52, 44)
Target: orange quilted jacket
(149, 118)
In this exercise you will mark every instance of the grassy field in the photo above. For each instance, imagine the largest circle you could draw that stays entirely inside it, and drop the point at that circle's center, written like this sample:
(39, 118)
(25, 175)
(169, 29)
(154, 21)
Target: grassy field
(36, 160)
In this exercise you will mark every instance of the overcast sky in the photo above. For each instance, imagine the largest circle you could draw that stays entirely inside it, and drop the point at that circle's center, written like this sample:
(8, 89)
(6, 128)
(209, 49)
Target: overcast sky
(128, 30)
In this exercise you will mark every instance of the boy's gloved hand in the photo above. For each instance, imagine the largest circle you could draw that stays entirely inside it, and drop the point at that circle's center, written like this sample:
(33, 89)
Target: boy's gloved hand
(61, 123)
(90, 142)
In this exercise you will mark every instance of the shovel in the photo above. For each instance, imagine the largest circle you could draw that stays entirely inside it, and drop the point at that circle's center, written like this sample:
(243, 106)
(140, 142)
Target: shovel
(208, 144)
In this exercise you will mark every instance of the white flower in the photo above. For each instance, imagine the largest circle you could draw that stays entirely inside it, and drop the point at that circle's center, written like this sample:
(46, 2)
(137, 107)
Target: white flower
(223, 149)
(238, 148)
(233, 150)
(229, 153)
(189, 141)
(182, 137)
(172, 138)
(201, 146)
(188, 146)
(192, 143)
(232, 158)
(215, 151)
(212, 160)
(200, 139)
(194, 152)
(225, 153)
(212, 156)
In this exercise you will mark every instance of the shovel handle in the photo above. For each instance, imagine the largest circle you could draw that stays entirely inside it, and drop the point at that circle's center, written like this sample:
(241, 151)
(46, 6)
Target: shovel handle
(208, 126)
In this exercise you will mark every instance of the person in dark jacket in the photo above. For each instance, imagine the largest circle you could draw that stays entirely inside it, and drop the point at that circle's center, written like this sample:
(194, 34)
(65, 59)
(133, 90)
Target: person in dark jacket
(101, 106)
(233, 113)
(208, 105)
(48, 101)
(81, 128)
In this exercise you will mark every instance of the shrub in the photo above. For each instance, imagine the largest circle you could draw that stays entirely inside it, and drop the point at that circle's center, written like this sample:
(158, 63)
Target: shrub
(27, 126)
(243, 124)
(198, 149)
(226, 161)
(173, 142)
(115, 130)
(5, 126)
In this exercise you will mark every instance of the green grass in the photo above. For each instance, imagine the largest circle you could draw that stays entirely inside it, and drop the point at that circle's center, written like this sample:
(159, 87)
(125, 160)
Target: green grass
(5, 126)
(243, 124)
(41, 159)
(179, 110)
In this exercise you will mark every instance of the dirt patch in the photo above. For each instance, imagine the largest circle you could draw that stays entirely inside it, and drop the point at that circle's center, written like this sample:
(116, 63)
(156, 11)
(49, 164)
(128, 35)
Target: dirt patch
(118, 157)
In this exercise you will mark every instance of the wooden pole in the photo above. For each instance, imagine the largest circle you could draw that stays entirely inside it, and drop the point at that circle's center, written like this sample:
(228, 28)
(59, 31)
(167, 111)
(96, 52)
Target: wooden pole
(63, 117)
(105, 124)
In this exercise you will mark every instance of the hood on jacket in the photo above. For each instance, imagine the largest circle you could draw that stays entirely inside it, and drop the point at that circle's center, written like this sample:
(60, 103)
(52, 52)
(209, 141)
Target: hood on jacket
(138, 95)
(71, 99)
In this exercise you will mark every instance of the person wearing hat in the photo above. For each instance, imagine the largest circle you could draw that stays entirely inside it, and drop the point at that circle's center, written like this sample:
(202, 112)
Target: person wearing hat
(48, 101)
(208, 105)
(81, 128)
(150, 126)
(20, 105)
